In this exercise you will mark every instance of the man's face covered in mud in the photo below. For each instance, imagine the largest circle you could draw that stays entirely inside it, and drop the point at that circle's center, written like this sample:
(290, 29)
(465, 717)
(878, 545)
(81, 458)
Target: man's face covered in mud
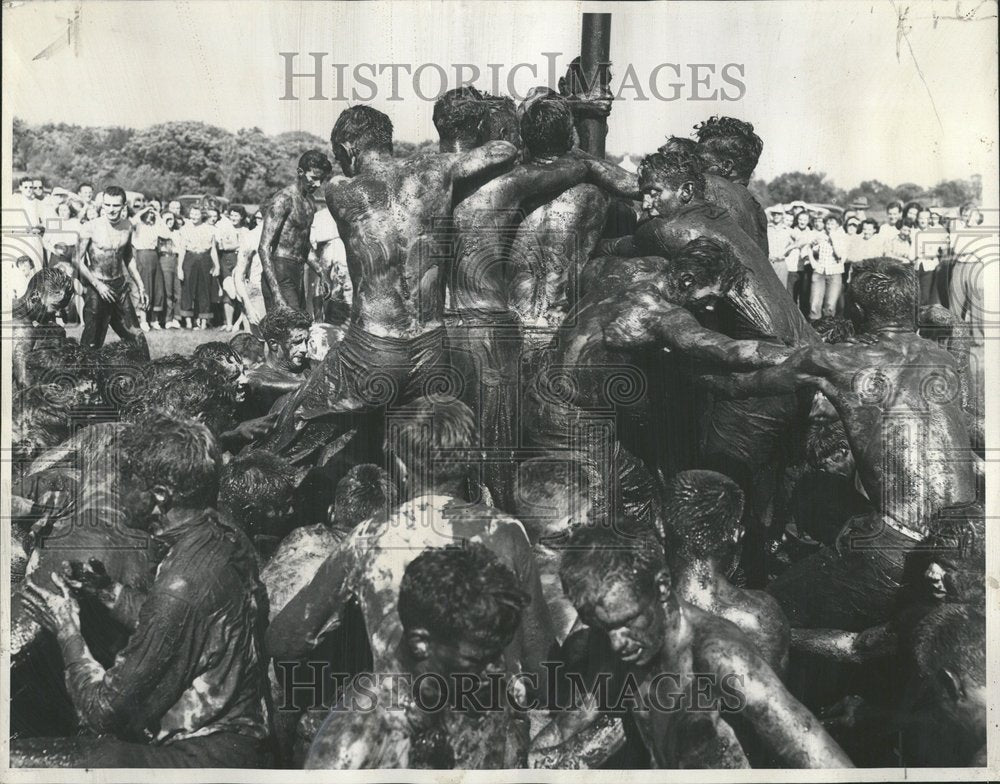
(313, 178)
(295, 350)
(144, 501)
(661, 199)
(635, 625)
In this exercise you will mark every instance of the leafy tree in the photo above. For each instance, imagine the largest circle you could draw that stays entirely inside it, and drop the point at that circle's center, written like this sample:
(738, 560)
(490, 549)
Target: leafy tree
(194, 152)
(760, 190)
(804, 186)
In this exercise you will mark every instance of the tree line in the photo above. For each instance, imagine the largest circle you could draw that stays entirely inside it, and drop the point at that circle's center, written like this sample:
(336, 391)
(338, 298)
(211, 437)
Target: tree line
(248, 166)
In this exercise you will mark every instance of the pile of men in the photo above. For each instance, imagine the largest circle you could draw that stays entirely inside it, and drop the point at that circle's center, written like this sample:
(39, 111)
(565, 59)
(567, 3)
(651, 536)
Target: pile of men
(571, 489)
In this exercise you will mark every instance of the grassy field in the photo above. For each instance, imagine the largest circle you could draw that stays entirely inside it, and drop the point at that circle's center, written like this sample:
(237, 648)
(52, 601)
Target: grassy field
(167, 341)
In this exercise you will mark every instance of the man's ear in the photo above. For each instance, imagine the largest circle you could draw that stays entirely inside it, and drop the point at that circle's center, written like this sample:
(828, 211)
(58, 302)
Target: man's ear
(727, 165)
(418, 642)
(686, 192)
(663, 589)
(684, 280)
(951, 684)
(164, 496)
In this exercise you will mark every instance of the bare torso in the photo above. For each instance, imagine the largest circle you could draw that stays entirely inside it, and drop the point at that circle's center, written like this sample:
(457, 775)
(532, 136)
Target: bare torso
(900, 402)
(298, 209)
(551, 247)
(110, 247)
(764, 308)
(392, 219)
(486, 223)
(754, 613)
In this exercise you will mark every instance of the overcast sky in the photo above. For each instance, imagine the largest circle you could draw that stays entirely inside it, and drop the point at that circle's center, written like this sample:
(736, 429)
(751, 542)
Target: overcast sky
(823, 84)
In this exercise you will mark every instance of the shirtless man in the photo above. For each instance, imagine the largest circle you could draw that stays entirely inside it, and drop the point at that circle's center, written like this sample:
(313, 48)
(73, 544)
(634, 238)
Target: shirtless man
(682, 668)
(740, 439)
(730, 150)
(389, 213)
(443, 638)
(486, 269)
(107, 302)
(286, 366)
(594, 389)
(701, 519)
(899, 400)
(284, 240)
(33, 318)
(370, 563)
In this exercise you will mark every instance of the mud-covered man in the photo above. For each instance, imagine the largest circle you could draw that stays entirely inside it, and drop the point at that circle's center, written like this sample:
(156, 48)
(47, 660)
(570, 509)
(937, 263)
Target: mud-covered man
(622, 590)
(900, 402)
(284, 240)
(389, 213)
(459, 607)
(106, 242)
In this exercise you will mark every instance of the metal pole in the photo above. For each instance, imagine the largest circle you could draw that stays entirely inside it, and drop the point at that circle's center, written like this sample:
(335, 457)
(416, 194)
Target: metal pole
(595, 61)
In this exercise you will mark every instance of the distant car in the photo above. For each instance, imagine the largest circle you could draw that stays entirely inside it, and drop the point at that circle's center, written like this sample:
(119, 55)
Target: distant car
(190, 199)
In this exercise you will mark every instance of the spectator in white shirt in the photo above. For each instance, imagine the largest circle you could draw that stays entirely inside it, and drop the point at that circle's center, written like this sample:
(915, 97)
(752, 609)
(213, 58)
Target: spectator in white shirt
(898, 244)
(965, 294)
(894, 209)
(17, 284)
(828, 269)
(929, 244)
(228, 231)
(799, 251)
(248, 272)
(778, 237)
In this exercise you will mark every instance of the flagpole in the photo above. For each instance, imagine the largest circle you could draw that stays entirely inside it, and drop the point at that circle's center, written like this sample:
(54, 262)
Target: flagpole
(595, 61)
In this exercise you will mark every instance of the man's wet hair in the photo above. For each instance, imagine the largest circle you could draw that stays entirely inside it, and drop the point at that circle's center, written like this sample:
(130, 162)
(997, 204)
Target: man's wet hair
(707, 260)
(178, 452)
(674, 169)
(48, 283)
(310, 159)
(364, 128)
(547, 126)
(834, 329)
(701, 512)
(823, 441)
(461, 113)
(432, 437)
(116, 191)
(277, 325)
(364, 493)
(462, 592)
(886, 290)
(218, 352)
(594, 557)
(196, 392)
(735, 139)
(679, 144)
(248, 346)
(549, 489)
(254, 482)
(953, 637)
(504, 124)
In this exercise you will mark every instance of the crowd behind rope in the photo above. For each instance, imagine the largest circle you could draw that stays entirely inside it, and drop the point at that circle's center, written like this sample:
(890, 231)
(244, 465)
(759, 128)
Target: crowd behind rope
(414, 540)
